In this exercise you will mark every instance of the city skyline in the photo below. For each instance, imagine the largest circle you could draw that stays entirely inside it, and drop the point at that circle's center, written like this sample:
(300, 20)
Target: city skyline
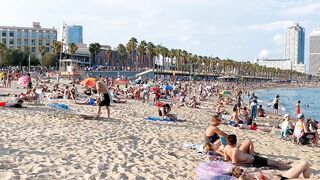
(203, 27)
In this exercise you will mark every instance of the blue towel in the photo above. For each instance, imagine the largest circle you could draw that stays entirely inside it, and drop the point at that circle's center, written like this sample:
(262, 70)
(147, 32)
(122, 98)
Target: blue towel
(59, 106)
(165, 119)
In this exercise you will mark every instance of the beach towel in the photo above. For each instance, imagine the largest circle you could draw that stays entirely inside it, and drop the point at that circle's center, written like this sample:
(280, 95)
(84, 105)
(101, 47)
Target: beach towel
(165, 119)
(214, 168)
(57, 106)
(218, 177)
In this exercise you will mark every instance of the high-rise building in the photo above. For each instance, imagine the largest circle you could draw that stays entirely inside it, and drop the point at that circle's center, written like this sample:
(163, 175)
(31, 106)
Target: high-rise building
(294, 44)
(314, 53)
(31, 37)
(73, 34)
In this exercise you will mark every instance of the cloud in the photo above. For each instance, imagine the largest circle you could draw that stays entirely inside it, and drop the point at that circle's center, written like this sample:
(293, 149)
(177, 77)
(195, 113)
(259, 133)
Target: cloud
(271, 26)
(278, 39)
(302, 9)
(264, 53)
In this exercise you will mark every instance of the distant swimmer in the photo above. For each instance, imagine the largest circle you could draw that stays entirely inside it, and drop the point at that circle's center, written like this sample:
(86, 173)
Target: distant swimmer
(298, 110)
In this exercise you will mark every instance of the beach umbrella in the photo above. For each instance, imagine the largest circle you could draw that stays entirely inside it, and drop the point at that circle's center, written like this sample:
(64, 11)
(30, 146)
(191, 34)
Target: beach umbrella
(225, 93)
(23, 81)
(89, 82)
(168, 88)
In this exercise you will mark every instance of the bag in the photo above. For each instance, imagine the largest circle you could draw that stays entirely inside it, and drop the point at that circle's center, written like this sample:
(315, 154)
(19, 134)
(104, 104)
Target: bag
(304, 141)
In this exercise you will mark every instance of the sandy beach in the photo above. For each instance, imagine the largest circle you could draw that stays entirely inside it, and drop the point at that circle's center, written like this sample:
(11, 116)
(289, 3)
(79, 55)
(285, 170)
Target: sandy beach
(38, 142)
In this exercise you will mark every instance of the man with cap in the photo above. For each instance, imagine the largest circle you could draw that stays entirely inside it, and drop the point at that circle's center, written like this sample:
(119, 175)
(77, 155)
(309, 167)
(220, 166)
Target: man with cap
(286, 127)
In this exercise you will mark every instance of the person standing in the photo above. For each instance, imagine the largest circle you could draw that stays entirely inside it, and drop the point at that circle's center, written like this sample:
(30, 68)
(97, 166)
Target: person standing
(298, 110)
(276, 105)
(254, 107)
(104, 98)
(238, 104)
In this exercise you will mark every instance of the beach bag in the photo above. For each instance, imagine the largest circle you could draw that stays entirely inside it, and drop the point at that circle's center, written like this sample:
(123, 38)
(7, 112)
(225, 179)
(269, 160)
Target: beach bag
(304, 141)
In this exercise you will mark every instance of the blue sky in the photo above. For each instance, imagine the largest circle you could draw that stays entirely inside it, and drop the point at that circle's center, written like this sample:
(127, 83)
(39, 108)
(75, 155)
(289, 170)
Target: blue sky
(236, 29)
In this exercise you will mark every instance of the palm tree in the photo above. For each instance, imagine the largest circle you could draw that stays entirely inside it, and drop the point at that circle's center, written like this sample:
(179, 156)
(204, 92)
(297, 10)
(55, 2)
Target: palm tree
(3, 48)
(109, 54)
(121, 54)
(150, 51)
(164, 53)
(131, 48)
(73, 49)
(42, 50)
(141, 51)
(56, 47)
(94, 49)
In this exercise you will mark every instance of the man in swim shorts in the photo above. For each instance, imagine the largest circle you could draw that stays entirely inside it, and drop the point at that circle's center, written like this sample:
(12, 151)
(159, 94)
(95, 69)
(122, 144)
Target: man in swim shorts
(104, 97)
(237, 156)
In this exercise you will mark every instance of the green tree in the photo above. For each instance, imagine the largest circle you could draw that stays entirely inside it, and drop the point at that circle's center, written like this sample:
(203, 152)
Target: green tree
(131, 48)
(73, 48)
(49, 59)
(150, 51)
(3, 48)
(109, 54)
(56, 47)
(94, 49)
(42, 51)
(141, 52)
(121, 55)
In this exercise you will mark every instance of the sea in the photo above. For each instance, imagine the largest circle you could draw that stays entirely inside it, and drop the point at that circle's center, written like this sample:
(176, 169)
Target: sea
(309, 97)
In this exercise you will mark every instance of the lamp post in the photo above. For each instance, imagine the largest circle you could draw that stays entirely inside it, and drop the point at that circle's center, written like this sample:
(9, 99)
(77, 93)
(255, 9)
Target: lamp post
(62, 40)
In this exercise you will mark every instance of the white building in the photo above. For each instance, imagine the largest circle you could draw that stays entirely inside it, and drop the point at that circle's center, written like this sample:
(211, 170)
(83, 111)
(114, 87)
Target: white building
(294, 45)
(314, 55)
(299, 68)
(284, 64)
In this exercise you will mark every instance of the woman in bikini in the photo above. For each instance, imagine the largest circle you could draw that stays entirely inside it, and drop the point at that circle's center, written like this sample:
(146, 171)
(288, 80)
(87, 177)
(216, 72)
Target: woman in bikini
(213, 133)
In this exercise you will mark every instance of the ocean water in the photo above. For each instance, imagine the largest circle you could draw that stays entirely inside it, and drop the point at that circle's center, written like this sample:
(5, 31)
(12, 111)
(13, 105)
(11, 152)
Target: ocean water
(309, 97)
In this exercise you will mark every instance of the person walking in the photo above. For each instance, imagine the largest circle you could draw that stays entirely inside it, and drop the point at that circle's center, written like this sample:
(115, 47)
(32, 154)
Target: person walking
(104, 97)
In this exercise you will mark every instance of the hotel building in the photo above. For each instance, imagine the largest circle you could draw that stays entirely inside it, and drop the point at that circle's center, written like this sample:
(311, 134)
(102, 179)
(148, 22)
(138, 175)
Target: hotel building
(314, 53)
(32, 37)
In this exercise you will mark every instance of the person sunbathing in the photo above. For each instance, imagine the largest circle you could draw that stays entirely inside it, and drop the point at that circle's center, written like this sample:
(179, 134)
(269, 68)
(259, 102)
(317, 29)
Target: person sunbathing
(254, 127)
(246, 146)
(261, 112)
(303, 168)
(32, 96)
(116, 99)
(236, 156)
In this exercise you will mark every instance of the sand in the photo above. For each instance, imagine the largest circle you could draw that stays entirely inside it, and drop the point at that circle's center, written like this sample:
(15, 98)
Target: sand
(41, 143)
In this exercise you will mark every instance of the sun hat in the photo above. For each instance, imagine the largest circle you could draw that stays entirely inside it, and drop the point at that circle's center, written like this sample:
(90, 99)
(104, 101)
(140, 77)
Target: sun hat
(300, 116)
(286, 115)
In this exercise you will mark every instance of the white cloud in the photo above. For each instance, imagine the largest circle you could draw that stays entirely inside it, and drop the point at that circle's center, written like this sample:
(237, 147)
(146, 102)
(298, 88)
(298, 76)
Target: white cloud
(271, 26)
(302, 9)
(264, 53)
(278, 39)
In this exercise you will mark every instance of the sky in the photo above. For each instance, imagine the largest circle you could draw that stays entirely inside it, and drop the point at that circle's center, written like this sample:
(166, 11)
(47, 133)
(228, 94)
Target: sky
(241, 30)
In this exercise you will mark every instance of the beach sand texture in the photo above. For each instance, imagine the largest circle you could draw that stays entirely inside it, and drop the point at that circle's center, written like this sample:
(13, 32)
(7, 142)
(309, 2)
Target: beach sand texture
(41, 143)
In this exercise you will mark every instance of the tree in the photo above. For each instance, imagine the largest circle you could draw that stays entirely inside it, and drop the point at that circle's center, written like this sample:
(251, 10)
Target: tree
(150, 51)
(42, 50)
(56, 47)
(3, 48)
(109, 54)
(94, 49)
(48, 60)
(73, 48)
(141, 51)
(121, 55)
(131, 48)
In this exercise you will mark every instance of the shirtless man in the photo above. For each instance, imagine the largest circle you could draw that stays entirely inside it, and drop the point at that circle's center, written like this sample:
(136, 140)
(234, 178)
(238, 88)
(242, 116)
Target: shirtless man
(104, 97)
(232, 152)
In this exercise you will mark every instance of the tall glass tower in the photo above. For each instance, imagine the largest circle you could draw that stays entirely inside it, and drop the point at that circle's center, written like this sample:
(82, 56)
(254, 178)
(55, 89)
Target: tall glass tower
(294, 44)
(73, 34)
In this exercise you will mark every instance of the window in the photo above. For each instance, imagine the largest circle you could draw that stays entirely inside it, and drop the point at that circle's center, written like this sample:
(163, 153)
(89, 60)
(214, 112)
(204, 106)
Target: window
(39, 35)
(26, 42)
(18, 47)
(40, 43)
(19, 34)
(47, 49)
(19, 42)
(11, 34)
(26, 34)
(11, 41)
(47, 36)
(33, 49)
(4, 40)
(33, 35)
(47, 43)
(33, 42)
(4, 34)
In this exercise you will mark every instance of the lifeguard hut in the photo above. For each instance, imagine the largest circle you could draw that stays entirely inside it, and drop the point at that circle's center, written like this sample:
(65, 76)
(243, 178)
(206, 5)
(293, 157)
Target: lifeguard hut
(71, 68)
